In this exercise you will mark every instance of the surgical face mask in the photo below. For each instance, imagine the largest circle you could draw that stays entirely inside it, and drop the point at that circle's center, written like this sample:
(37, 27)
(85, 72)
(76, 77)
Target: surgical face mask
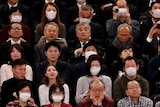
(57, 98)
(24, 96)
(16, 18)
(85, 20)
(121, 11)
(131, 71)
(89, 53)
(156, 13)
(51, 15)
(95, 70)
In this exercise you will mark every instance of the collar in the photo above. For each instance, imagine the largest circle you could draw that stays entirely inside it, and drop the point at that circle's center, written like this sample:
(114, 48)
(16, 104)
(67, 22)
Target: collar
(46, 1)
(79, 6)
(12, 5)
(13, 42)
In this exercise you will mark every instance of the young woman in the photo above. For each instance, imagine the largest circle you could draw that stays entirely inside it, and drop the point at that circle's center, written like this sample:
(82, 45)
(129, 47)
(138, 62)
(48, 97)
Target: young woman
(56, 96)
(50, 13)
(15, 52)
(94, 71)
(51, 77)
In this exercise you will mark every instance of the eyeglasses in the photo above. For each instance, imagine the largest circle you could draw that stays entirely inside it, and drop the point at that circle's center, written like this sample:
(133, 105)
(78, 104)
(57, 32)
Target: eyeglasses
(16, 28)
(136, 87)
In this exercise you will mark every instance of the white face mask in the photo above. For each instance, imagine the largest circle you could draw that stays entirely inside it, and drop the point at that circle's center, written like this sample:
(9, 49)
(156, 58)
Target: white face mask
(121, 11)
(156, 13)
(24, 96)
(85, 20)
(89, 53)
(95, 70)
(57, 98)
(51, 15)
(131, 71)
(16, 18)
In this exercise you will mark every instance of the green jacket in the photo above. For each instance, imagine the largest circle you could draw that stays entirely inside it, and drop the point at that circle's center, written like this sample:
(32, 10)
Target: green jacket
(120, 85)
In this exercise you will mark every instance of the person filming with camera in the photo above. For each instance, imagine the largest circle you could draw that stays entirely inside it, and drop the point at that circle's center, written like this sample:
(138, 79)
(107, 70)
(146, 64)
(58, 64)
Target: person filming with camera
(151, 46)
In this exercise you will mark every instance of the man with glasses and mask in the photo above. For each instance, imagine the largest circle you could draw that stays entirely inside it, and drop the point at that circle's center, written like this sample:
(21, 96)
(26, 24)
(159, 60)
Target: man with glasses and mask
(134, 98)
(96, 96)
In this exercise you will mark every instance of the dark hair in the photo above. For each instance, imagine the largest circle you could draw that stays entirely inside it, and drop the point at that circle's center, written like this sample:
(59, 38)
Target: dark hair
(46, 80)
(130, 58)
(44, 19)
(14, 9)
(123, 47)
(89, 61)
(52, 43)
(10, 26)
(53, 88)
(18, 62)
(23, 84)
(17, 47)
(90, 43)
(152, 4)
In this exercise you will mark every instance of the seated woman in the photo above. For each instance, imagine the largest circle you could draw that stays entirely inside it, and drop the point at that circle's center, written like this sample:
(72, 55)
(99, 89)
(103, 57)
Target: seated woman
(56, 96)
(94, 71)
(51, 77)
(15, 52)
(24, 96)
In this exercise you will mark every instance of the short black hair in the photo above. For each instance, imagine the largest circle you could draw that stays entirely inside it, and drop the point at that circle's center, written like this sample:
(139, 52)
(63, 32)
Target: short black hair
(130, 58)
(23, 84)
(52, 43)
(18, 62)
(152, 4)
(53, 88)
(123, 47)
(90, 43)
(89, 61)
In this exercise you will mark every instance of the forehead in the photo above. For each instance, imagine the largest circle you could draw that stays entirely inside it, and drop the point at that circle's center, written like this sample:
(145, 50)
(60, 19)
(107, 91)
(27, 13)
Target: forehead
(90, 47)
(52, 48)
(97, 85)
(133, 83)
(130, 62)
(50, 27)
(156, 5)
(16, 25)
(50, 7)
(84, 26)
(121, 2)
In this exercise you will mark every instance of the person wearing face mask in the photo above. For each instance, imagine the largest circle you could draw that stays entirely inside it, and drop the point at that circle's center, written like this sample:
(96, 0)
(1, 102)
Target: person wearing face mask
(130, 67)
(50, 13)
(79, 69)
(75, 47)
(121, 15)
(93, 71)
(24, 96)
(51, 77)
(56, 96)
(153, 18)
(8, 91)
(86, 13)
(15, 15)
(37, 11)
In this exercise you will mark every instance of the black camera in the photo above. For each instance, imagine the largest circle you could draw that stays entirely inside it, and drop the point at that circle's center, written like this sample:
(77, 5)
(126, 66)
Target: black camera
(158, 26)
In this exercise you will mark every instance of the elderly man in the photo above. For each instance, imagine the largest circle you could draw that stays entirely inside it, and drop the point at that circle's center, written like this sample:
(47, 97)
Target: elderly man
(119, 17)
(51, 31)
(130, 68)
(75, 47)
(96, 97)
(134, 98)
(86, 15)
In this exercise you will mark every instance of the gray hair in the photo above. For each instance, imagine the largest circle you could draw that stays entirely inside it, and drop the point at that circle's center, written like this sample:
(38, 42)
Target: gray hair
(86, 8)
(51, 23)
(124, 25)
(96, 81)
(83, 23)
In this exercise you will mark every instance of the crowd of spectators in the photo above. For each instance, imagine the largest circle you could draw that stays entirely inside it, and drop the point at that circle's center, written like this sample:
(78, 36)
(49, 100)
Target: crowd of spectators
(64, 53)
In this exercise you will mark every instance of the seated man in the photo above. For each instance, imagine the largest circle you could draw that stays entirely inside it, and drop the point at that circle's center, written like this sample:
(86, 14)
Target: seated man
(9, 86)
(96, 97)
(134, 98)
(51, 31)
(130, 67)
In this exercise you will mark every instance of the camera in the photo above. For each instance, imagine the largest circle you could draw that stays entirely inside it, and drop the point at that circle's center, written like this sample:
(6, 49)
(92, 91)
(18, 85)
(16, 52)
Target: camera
(158, 26)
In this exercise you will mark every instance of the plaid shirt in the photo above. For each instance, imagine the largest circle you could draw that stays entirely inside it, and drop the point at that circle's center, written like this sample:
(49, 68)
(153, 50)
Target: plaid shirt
(15, 103)
(143, 102)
